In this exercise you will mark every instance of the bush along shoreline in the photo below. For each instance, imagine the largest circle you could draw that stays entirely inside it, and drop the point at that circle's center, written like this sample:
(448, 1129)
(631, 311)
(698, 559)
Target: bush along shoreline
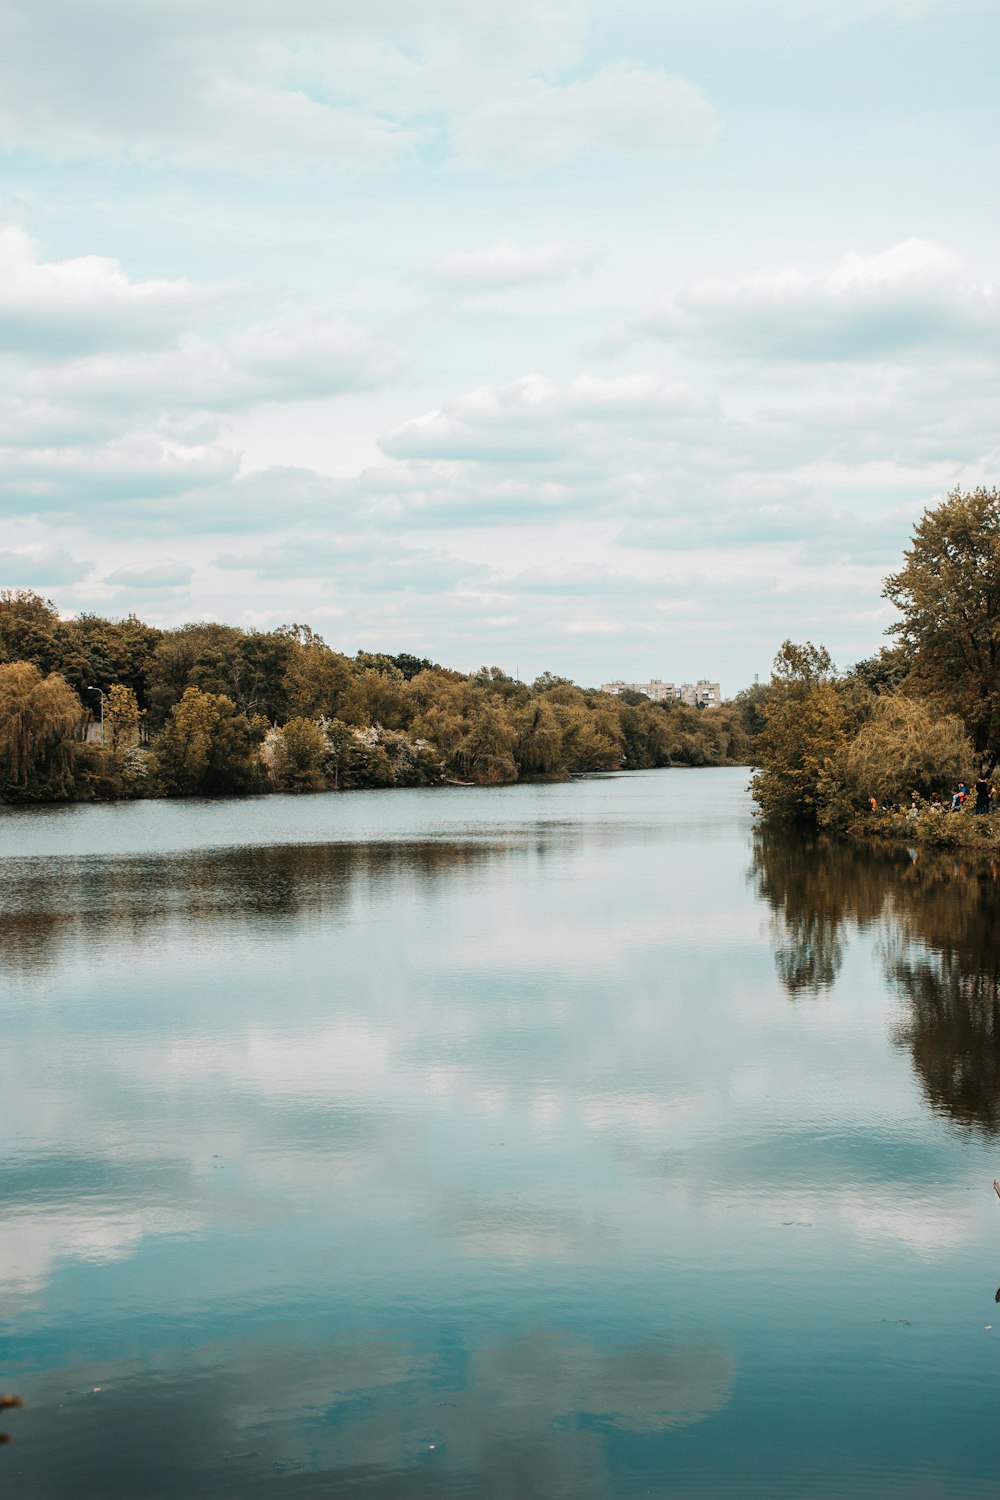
(890, 747)
(936, 825)
(93, 709)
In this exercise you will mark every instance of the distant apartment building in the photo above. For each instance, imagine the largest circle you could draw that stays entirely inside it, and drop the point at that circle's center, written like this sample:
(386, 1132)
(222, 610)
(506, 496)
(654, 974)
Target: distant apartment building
(700, 694)
(659, 691)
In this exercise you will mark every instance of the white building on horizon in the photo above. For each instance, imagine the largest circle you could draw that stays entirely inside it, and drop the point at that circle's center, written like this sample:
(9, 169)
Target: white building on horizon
(700, 694)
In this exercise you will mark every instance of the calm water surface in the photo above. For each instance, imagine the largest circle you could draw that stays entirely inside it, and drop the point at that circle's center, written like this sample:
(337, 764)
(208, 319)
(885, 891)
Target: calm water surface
(567, 1141)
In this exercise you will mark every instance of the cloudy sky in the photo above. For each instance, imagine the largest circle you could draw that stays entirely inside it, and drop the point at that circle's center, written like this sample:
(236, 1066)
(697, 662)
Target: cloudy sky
(618, 337)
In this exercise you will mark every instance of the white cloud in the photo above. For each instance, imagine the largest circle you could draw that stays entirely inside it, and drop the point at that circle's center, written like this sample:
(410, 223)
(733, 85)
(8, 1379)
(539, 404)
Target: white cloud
(642, 393)
(530, 419)
(253, 128)
(507, 423)
(275, 362)
(88, 303)
(132, 470)
(368, 562)
(40, 566)
(305, 84)
(620, 108)
(33, 1244)
(909, 298)
(314, 358)
(506, 265)
(167, 574)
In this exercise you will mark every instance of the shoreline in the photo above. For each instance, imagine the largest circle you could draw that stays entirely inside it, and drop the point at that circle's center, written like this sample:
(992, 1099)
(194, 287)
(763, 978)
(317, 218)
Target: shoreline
(933, 830)
(24, 804)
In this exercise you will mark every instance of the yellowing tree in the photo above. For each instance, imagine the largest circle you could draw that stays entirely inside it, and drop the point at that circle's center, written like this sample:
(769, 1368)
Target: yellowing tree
(39, 719)
(121, 716)
(903, 748)
(538, 749)
(485, 753)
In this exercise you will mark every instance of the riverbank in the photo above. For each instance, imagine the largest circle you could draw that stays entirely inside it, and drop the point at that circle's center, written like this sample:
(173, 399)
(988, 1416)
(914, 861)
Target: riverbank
(104, 790)
(935, 826)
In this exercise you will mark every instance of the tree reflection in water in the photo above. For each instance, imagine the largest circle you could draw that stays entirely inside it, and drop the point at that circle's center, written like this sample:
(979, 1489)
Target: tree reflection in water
(941, 943)
(814, 889)
(46, 906)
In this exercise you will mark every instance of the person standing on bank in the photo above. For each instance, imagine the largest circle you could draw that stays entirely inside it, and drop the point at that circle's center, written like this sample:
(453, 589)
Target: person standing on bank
(983, 794)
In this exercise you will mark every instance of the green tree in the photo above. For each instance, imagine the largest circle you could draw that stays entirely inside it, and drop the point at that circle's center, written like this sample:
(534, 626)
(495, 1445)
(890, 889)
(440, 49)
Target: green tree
(208, 748)
(807, 719)
(174, 661)
(948, 593)
(387, 696)
(95, 653)
(885, 672)
(304, 750)
(412, 666)
(29, 627)
(365, 761)
(249, 667)
(592, 739)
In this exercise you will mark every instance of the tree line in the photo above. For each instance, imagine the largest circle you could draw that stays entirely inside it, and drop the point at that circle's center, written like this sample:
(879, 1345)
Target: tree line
(882, 745)
(209, 709)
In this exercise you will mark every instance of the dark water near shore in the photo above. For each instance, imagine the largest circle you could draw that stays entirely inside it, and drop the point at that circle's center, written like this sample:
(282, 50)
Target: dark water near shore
(567, 1141)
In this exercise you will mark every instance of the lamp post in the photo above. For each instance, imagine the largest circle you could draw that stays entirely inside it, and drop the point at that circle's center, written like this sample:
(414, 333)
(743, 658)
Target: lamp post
(94, 689)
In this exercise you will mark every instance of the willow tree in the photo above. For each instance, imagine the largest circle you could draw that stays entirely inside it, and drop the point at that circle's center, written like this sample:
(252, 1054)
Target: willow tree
(948, 593)
(904, 748)
(40, 718)
(485, 753)
(538, 747)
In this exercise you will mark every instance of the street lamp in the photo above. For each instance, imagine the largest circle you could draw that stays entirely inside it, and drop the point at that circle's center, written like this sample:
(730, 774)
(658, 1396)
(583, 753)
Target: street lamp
(93, 689)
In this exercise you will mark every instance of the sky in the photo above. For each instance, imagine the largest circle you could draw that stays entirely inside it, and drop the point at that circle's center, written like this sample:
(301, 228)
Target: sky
(622, 340)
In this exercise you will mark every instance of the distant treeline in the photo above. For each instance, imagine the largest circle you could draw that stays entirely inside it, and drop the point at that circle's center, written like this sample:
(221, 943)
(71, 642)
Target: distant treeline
(213, 710)
(882, 746)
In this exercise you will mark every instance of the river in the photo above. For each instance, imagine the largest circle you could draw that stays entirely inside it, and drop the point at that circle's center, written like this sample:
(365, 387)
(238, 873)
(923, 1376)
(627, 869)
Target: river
(552, 1142)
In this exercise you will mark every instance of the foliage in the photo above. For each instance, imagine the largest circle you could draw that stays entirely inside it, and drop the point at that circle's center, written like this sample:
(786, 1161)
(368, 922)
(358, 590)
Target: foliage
(121, 717)
(537, 748)
(903, 748)
(40, 720)
(485, 752)
(282, 709)
(911, 721)
(948, 593)
(807, 722)
(295, 756)
(29, 629)
(884, 673)
(208, 748)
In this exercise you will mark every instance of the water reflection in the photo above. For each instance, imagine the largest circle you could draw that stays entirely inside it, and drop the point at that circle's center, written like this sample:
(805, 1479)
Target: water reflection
(530, 1414)
(45, 906)
(936, 914)
(953, 1033)
(495, 1163)
(49, 904)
